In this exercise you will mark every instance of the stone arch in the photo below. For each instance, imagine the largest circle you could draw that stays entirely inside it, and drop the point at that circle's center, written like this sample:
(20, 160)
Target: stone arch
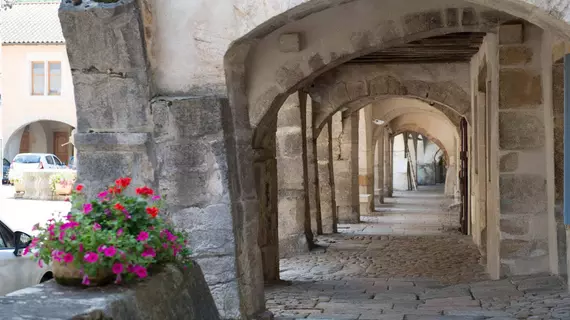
(352, 86)
(260, 77)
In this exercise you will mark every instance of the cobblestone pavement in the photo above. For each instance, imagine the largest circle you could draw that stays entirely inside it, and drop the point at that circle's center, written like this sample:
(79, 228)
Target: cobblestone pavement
(359, 275)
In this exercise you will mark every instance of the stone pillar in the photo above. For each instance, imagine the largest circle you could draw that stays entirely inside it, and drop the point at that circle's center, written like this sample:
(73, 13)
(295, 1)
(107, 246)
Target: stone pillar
(522, 181)
(346, 170)
(326, 179)
(313, 202)
(365, 161)
(292, 206)
(388, 164)
(379, 165)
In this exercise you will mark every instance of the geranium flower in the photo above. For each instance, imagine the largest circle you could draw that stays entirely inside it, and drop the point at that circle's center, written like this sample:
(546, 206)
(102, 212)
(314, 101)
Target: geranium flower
(119, 232)
(155, 198)
(144, 191)
(123, 182)
(79, 188)
(140, 271)
(143, 236)
(40, 264)
(152, 211)
(91, 257)
(103, 195)
(85, 280)
(148, 252)
(68, 258)
(81, 247)
(117, 268)
(114, 190)
(87, 207)
(110, 251)
(96, 226)
(119, 206)
(56, 255)
(101, 248)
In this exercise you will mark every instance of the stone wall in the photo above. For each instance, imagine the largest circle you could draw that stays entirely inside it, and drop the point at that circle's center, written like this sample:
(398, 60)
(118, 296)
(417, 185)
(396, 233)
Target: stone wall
(522, 181)
(326, 179)
(172, 294)
(346, 170)
(291, 198)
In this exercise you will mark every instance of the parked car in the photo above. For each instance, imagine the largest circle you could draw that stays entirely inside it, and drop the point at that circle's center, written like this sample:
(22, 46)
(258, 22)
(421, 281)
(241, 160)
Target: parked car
(17, 271)
(31, 161)
(5, 171)
(72, 163)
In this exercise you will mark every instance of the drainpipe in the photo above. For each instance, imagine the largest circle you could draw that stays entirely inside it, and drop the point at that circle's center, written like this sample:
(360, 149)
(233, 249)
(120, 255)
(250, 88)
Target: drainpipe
(567, 155)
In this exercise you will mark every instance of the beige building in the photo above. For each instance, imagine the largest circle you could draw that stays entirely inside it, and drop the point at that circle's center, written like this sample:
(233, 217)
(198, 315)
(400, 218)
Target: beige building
(38, 106)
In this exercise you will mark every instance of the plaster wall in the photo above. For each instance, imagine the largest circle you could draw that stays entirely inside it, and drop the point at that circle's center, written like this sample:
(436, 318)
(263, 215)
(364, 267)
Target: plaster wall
(19, 106)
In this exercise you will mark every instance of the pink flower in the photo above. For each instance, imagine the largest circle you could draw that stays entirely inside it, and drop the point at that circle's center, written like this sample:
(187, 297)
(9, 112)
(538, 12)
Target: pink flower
(91, 257)
(119, 232)
(87, 207)
(103, 194)
(155, 198)
(73, 237)
(61, 236)
(143, 236)
(148, 252)
(81, 247)
(68, 258)
(140, 271)
(96, 226)
(101, 248)
(40, 264)
(85, 280)
(110, 251)
(26, 250)
(117, 268)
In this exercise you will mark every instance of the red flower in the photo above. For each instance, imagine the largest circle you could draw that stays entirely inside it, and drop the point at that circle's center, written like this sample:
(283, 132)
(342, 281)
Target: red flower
(119, 206)
(114, 190)
(79, 188)
(145, 191)
(123, 183)
(152, 211)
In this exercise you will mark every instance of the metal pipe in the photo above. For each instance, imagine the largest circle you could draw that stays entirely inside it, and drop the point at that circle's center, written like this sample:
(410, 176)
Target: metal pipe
(567, 139)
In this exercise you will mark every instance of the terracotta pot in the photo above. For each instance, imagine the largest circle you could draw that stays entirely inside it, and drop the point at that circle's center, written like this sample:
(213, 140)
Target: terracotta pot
(70, 275)
(63, 190)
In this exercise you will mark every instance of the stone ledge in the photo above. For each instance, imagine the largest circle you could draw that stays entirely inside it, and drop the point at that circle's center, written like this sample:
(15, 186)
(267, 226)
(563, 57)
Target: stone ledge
(169, 295)
(113, 141)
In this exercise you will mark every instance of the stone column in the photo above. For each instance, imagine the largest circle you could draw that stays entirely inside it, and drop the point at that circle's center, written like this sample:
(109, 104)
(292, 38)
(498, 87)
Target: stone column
(292, 206)
(365, 161)
(522, 144)
(346, 170)
(379, 165)
(388, 167)
(313, 202)
(326, 179)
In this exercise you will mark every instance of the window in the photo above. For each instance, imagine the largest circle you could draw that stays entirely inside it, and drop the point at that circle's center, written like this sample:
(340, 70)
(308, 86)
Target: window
(7, 236)
(46, 78)
(49, 159)
(57, 161)
(54, 78)
(38, 79)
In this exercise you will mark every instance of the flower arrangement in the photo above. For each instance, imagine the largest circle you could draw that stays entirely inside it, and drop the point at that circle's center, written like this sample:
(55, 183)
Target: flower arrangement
(118, 236)
(62, 179)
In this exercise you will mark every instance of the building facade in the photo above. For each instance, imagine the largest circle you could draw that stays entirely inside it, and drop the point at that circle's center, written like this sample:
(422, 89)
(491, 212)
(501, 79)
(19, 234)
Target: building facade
(38, 103)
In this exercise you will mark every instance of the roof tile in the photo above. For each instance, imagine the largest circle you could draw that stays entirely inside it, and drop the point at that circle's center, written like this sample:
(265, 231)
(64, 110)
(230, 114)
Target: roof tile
(31, 23)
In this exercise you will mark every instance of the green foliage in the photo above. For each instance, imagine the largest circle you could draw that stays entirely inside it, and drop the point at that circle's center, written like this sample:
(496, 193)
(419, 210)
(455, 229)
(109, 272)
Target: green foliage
(64, 178)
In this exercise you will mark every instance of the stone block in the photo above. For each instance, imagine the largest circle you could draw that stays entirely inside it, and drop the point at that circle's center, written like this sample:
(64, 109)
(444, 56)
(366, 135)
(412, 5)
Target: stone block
(469, 17)
(104, 36)
(515, 55)
(512, 249)
(522, 194)
(511, 34)
(509, 162)
(520, 131)
(289, 142)
(421, 22)
(290, 42)
(518, 226)
(171, 294)
(109, 103)
(290, 173)
(519, 89)
(452, 17)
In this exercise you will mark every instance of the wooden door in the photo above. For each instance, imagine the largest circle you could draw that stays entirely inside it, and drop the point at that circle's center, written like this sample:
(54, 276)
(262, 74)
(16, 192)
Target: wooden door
(60, 148)
(25, 141)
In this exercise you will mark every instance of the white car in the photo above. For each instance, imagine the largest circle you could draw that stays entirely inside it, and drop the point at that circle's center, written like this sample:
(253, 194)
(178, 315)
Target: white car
(17, 271)
(33, 161)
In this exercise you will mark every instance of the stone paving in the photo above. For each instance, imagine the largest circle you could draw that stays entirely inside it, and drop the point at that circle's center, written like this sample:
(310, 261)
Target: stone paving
(357, 275)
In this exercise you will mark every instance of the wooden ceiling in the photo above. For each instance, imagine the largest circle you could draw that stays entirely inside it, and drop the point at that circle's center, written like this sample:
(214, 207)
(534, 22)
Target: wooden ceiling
(453, 47)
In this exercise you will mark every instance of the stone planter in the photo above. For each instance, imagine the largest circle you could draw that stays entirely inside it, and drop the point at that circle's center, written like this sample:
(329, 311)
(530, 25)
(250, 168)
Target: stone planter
(70, 275)
(63, 189)
(19, 186)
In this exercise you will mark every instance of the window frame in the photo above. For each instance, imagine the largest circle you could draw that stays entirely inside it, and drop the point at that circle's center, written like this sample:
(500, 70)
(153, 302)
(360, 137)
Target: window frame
(33, 78)
(6, 244)
(48, 75)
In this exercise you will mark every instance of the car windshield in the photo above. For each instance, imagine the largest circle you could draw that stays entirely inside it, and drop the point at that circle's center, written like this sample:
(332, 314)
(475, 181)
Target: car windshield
(28, 158)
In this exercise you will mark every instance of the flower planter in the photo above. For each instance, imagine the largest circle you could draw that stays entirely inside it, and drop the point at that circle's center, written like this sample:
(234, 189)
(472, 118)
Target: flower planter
(69, 275)
(19, 186)
(63, 189)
